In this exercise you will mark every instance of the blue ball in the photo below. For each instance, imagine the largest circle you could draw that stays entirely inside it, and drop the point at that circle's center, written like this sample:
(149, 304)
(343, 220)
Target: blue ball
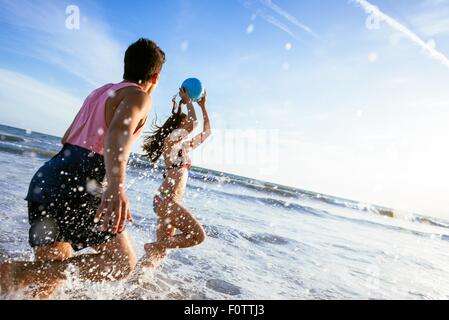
(194, 88)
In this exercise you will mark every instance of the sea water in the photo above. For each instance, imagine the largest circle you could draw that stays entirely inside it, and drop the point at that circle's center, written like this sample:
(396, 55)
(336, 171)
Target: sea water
(264, 241)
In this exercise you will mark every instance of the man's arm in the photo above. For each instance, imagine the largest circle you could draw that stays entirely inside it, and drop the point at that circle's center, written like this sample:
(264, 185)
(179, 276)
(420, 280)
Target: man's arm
(117, 148)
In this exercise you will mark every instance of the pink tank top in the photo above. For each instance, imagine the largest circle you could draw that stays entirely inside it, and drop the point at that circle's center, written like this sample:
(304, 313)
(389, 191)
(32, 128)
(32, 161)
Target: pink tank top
(89, 128)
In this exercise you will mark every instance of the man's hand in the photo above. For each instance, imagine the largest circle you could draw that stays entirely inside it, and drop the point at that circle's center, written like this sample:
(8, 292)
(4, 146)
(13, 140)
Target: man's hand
(114, 208)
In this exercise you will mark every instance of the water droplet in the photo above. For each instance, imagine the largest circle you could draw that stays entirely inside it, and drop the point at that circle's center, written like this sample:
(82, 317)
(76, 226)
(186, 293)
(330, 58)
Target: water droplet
(372, 57)
(184, 45)
(111, 93)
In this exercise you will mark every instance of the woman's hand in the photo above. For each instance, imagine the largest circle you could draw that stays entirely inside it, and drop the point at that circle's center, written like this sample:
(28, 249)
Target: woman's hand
(202, 102)
(185, 98)
(175, 105)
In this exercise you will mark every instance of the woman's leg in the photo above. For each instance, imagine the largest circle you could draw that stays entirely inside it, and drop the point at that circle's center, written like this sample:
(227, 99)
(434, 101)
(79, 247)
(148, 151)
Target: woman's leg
(153, 255)
(164, 230)
(172, 217)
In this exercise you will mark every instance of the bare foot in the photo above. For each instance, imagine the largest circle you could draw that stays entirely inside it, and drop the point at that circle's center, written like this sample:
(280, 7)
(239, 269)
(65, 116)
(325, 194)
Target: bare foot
(7, 278)
(153, 255)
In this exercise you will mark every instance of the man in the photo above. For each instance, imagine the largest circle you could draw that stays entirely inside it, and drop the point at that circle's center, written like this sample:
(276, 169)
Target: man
(64, 209)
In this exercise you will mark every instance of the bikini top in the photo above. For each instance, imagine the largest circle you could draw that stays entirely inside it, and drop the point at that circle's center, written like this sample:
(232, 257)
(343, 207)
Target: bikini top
(181, 164)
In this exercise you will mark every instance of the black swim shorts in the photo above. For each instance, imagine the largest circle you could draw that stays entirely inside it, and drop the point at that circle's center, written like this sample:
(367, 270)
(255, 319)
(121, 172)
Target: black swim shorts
(65, 222)
(63, 199)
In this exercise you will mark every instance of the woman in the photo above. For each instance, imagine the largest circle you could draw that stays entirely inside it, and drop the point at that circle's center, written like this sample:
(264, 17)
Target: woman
(171, 141)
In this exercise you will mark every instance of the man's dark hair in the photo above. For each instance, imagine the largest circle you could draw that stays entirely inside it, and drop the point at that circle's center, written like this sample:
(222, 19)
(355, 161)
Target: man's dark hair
(143, 59)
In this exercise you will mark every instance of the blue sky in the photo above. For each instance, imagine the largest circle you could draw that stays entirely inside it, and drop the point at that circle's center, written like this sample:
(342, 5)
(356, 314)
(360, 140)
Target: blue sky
(346, 104)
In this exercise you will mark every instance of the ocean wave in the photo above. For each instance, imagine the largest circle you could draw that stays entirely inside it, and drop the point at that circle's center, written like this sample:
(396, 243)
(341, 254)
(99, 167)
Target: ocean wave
(275, 203)
(261, 238)
(231, 235)
(432, 221)
(222, 233)
(218, 177)
(137, 161)
(196, 175)
(223, 286)
(9, 138)
(26, 151)
(266, 188)
(297, 208)
(342, 202)
(382, 211)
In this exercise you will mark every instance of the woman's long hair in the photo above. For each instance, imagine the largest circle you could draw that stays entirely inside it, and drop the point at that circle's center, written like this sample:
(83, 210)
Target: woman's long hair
(154, 142)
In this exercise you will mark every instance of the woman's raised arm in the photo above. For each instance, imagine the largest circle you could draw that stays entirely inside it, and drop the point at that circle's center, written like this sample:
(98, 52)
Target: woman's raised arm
(192, 121)
(201, 137)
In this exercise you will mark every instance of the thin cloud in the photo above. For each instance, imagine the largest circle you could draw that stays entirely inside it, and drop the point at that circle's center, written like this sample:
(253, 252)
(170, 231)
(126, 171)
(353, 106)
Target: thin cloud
(290, 18)
(275, 22)
(432, 21)
(89, 53)
(264, 13)
(381, 16)
(51, 108)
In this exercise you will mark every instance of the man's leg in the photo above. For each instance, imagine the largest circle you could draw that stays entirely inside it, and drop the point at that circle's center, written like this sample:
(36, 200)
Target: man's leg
(114, 260)
(59, 251)
(44, 285)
